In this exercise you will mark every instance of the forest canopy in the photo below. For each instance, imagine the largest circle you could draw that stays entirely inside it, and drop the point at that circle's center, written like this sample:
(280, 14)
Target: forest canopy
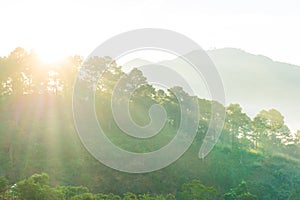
(254, 157)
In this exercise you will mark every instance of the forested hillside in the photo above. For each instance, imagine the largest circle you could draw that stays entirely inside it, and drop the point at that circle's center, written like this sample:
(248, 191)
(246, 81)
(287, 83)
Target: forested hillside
(255, 158)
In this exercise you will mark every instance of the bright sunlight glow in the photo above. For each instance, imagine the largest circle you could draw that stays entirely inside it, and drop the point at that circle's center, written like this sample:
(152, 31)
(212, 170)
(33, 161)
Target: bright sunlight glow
(50, 55)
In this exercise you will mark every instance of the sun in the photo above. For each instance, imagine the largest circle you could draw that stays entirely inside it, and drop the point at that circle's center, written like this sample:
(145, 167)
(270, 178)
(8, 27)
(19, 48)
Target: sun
(50, 55)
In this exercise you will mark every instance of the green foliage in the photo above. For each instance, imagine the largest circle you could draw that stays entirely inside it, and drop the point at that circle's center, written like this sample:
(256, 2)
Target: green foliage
(84, 196)
(196, 190)
(48, 193)
(40, 179)
(240, 193)
(71, 191)
(270, 130)
(107, 197)
(295, 195)
(3, 185)
(130, 196)
(36, 187)
(37, 134)
(237, 123)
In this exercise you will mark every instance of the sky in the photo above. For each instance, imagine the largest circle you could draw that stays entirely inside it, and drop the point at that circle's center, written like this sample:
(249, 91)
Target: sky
(58, 28)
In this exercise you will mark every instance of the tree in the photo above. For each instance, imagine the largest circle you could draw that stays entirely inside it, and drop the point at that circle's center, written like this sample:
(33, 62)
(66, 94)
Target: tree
(40, 179)
(107, 197)
(295, 195)
(270, 128)
(84, 196)
(130, 196)
(36, 188)
(240, 193)
(68, 70)
(237, 122)
(3, 185)
(297, 137)
(71, 191)
(48, 193)
(17, 64)
(259, 130)
(197, 191)
(145, 197)
(28, 190)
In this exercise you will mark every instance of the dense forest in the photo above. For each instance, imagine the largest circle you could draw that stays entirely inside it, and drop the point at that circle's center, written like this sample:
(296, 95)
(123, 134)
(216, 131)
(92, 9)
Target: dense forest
(42, 156)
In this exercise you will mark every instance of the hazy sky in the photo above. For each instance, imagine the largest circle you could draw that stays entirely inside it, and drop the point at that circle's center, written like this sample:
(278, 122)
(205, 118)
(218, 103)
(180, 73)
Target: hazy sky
(57, 28)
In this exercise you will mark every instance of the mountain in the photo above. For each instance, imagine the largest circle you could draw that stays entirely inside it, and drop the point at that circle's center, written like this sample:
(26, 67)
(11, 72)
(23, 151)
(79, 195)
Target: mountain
(258, 82)
(254, 81)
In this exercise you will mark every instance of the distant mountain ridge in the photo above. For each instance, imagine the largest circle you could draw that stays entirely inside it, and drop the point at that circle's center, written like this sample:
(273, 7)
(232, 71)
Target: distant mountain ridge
(256, 82)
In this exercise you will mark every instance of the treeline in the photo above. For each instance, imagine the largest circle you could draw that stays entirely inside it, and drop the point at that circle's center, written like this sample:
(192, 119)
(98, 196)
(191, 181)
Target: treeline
(37, 134)
(22, 73)
(37, 187)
